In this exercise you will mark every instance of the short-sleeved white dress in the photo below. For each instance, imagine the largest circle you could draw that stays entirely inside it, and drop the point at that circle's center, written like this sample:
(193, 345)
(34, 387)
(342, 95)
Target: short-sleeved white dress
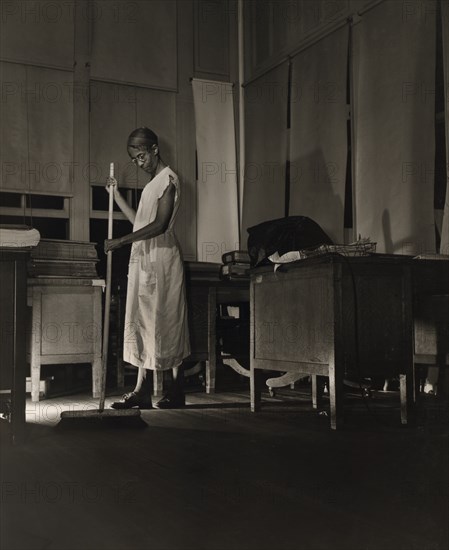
(156, 327)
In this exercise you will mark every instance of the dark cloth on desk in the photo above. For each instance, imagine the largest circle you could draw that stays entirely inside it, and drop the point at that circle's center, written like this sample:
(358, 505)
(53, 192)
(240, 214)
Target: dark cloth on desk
(283, 235)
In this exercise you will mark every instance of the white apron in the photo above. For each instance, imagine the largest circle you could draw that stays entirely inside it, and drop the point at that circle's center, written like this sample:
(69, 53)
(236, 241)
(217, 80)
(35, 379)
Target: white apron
(156, 330)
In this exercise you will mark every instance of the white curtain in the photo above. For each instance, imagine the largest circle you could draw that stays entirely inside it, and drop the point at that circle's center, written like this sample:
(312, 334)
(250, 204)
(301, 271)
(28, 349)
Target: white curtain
(217, 213)
(394, 129)
(318, 146)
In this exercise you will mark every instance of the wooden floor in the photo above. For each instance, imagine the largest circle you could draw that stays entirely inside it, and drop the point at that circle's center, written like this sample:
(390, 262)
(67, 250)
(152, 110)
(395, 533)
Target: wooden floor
(215, 476)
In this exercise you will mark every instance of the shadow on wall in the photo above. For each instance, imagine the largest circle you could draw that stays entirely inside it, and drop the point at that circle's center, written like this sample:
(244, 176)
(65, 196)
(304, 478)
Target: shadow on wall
(317, 190)
(406, 245)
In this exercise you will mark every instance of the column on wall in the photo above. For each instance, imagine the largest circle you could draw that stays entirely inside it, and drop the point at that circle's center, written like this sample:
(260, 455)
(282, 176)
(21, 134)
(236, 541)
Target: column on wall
(318, 142)
(444, 245)
(394, 77)
(266, 100)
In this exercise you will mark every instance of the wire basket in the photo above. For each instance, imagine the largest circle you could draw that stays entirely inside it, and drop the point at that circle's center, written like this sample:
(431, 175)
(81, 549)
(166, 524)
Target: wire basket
(363, 247)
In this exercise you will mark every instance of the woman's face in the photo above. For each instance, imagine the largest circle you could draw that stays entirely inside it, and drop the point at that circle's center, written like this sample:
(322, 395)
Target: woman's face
(147, 160)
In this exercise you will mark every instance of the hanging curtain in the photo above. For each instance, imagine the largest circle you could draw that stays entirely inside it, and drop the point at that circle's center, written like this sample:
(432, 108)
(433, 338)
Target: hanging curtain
(318, 145)
(36, 116)
(394, 114)
(444, 245)
(217, 213)
(266, 102)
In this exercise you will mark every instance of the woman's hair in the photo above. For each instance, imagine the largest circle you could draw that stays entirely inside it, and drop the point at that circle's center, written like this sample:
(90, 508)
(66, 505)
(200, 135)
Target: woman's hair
(142, 139)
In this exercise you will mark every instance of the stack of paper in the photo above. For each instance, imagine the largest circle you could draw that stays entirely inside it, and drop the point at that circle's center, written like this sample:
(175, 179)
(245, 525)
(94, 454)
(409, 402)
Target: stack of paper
(18, 236)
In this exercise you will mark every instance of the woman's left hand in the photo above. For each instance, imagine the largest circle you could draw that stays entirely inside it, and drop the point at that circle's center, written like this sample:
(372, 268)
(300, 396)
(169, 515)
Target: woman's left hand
(111, 244)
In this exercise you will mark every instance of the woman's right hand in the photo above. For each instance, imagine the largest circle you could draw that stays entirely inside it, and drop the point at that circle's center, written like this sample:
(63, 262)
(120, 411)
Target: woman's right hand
(111, 185)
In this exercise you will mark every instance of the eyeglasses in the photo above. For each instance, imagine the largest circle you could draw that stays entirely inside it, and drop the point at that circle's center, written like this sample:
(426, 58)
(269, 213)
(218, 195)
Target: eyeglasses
(139, 158)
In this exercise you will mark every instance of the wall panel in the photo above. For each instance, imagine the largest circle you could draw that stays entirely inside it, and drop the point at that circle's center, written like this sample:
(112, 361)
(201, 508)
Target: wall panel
(395, 129)
(318, 148)
(39, 32)
(265, 148)
(37, 129)
(112, 119)
(135, 43)
(211, 31)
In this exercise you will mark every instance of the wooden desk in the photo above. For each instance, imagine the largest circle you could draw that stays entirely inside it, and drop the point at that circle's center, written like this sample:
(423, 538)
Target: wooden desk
(66, 326)
(203, 298)
(336, 317)
(205, 292)
(218, 293)
(13, 313)
(431, 315)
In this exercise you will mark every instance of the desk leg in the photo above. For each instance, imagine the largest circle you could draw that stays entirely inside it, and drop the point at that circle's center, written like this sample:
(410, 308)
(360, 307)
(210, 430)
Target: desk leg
(335, 397)
(406, 390)
(35, 377)
(35, 346)
(96, 376)
(97, 362)
(316, 392)
(255, 388)
(211, 364)
(18, 404)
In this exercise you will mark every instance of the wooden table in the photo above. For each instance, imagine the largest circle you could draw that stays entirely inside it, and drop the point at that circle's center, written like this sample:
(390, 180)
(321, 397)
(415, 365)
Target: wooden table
(336, 317)
(231, 293)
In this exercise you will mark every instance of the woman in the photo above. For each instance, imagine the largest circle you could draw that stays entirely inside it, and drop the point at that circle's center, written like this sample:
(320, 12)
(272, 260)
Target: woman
(156, 331)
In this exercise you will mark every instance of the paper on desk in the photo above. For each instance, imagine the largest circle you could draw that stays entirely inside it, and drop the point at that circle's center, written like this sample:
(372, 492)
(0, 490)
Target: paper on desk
(18, 237)
(286, 258)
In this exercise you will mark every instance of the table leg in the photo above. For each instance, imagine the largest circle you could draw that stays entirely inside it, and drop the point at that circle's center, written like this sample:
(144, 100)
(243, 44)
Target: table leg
(211, 364)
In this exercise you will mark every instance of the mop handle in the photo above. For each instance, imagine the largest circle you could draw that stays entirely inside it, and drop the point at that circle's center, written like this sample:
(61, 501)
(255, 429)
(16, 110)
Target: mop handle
(107, 305)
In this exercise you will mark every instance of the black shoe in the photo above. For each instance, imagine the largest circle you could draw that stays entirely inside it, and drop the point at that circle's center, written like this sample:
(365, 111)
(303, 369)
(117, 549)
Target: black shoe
(133, 400)
(171, 401)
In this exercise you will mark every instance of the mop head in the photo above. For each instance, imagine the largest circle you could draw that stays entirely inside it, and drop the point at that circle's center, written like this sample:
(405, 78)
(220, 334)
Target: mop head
(124, 418)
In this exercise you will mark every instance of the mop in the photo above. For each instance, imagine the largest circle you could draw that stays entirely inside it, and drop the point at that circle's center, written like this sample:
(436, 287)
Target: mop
(102, 416)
